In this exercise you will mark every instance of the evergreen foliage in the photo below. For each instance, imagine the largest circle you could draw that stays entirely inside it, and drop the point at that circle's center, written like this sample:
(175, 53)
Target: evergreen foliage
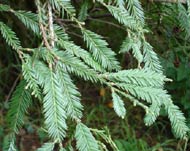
(151, 59)
(46, 146)
(184, 19)
(135, 9)
(47, 71)
(53, 107)
(118, 105)
(141, 77)
(152, 114)
(76, 66)
(29, 20)
(30, 77)
(177, 119)
(83, 11)
(123, 16)
(100, 51)
(9, 143)
(81, 53)
(9, 36)
(19, 103)
(71, 95)
(133, 44)
(4, 7)
(63, 6)
(85, 139)
(120, 3)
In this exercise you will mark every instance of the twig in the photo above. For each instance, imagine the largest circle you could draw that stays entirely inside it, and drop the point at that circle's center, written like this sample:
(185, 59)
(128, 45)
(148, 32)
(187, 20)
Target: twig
(102, 16)
(12, 88)
(132, 99)
(75, 34)
(11, 91)
(44, 36)
(52, 35)
(107, 22)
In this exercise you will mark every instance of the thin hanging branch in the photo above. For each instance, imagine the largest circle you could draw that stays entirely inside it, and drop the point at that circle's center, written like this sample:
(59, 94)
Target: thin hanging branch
(52, 35)
(44, 36)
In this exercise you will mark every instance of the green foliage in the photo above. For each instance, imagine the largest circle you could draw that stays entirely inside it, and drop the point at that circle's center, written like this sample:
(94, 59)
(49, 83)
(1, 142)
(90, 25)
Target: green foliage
(81, 53)
(105, 135)
(29, 20)
(151, 59)
(178, 120)
(46, 147)
(83, 11)
(47, 71)
(40, 71)
(180, 76)
(188, 7)
(135, 9)
(30, 77)
(118, 105)
(19, 103)
(150, 94)
(120, 3)
(9, 143)
(63, 6)
(123, 17)
(133, 145)
(104, 55)
(53, 107)
(60, 34)
(76, 66)
(152, 114)
(4, 7)
(184, 19)
(140, 77)
(11, 147)
(85, 139)
(71, 95)
(134, 45)
(10, 36)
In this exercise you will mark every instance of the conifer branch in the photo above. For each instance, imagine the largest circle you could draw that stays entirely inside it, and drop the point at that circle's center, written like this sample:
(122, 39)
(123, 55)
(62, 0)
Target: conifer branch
(55, 115)
(54, 86)
(104, 55)
(10, 36)
(51, 30)
(30, 20)
(85, 139)
(70, 93)
(46, 147)
(4, 7)
(42, 29)
(19, 103)
(118, 105)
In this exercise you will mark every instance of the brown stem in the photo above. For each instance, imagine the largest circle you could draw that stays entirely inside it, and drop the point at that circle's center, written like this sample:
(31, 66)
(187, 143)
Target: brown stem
(52, 35)
(44, 36)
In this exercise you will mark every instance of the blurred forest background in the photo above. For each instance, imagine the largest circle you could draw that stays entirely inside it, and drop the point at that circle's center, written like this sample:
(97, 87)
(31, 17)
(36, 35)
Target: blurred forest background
(169, 39)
